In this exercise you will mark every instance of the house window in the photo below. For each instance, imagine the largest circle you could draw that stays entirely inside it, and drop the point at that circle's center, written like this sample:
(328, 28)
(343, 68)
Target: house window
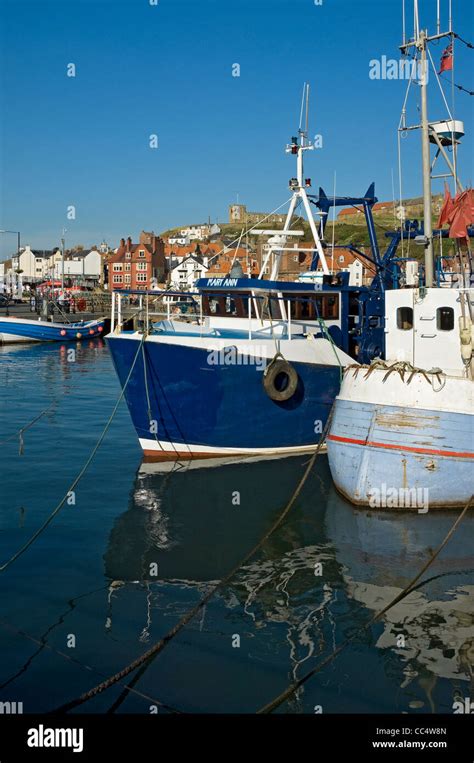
(128, 255)
(127, 267)
(341, 258)
(141, 277)
(295, 258)
(142, 265)
(117, 266)
(117, 279)
(141, 253)
(405, 318)
(128, 278)
(445, 318)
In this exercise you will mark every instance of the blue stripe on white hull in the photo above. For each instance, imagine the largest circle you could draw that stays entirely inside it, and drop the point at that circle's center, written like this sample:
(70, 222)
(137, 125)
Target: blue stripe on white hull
(218, 410)
(425, 450)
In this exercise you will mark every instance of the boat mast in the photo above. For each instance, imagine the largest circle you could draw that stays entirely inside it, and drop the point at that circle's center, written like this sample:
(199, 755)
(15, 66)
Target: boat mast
(426, 157)
(298, 187)
(419, 43)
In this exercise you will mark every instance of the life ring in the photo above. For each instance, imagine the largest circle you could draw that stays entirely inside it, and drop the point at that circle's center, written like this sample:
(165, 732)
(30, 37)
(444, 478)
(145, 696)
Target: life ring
(280, 379)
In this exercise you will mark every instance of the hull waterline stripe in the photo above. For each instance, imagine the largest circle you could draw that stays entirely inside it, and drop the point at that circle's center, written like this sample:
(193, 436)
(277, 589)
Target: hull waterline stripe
(172, 451)
(409, 448)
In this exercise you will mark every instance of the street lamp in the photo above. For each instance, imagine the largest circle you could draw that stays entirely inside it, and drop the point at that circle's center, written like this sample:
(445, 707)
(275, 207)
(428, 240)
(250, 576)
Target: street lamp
(63, 241)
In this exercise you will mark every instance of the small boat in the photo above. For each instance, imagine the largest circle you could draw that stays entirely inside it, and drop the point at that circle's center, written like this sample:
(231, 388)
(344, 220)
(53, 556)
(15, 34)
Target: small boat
(13, 330)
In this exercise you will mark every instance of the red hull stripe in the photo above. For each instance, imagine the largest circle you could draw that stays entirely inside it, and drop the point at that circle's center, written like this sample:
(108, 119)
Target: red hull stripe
(428, 451)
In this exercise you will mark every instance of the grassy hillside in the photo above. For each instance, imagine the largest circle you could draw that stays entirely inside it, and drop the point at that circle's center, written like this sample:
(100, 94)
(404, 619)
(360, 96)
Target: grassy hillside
(352, 230)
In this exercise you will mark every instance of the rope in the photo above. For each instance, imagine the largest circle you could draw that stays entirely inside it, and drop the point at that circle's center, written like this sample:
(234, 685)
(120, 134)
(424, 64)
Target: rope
(162, 643)
(76, 481)
(177, 459)
(268, 708)
(459, 87)
(250, 229)
(401, 367)
(325, 332)
(19, 433)
(43, 644)
(458, 37)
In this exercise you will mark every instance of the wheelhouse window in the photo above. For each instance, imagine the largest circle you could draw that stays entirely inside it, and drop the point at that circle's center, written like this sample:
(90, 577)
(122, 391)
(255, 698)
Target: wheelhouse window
(325, 306)
(445, 318)
(405, 318)
(231, 305)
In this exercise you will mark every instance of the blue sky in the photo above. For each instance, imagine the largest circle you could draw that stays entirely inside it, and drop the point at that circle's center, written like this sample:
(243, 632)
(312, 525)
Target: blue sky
(143, 69)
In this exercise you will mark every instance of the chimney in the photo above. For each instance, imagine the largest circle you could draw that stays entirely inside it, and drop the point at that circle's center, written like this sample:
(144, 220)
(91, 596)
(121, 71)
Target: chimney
(122, 243)
(129, 244)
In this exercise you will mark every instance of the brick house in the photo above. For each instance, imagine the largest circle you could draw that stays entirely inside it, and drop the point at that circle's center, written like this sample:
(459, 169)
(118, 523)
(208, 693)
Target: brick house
(133, 266)
(220, 266)
(295, 262)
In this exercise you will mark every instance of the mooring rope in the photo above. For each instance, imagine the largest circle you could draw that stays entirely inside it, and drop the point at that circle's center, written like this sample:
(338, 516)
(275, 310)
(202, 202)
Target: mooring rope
(165, 640)
(401, 367)
(145, 377)
(44, 644)
(292, 688)
(19, 432)
(78, 478)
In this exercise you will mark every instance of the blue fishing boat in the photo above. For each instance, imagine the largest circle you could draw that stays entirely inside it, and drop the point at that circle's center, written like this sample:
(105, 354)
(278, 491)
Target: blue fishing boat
(255, 370)
(14, 330)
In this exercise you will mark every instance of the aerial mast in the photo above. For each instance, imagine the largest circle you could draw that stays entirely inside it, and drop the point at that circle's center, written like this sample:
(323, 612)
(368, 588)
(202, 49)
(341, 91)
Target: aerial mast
(426, 160)
(298, 186)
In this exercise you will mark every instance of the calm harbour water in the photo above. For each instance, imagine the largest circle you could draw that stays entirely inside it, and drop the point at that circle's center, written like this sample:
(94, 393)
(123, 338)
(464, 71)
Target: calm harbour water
(89, 574)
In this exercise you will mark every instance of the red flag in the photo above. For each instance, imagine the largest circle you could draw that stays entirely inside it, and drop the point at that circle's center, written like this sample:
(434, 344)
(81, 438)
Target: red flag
(446, 59)
(447, 207)
(462, 214)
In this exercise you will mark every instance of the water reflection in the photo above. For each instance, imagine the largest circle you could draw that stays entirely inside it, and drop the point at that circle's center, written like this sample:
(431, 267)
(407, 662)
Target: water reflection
(185, 528)
(432, 630)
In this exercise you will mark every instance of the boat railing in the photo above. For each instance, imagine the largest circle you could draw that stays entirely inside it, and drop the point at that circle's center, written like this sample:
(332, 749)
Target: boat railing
(266, 313)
